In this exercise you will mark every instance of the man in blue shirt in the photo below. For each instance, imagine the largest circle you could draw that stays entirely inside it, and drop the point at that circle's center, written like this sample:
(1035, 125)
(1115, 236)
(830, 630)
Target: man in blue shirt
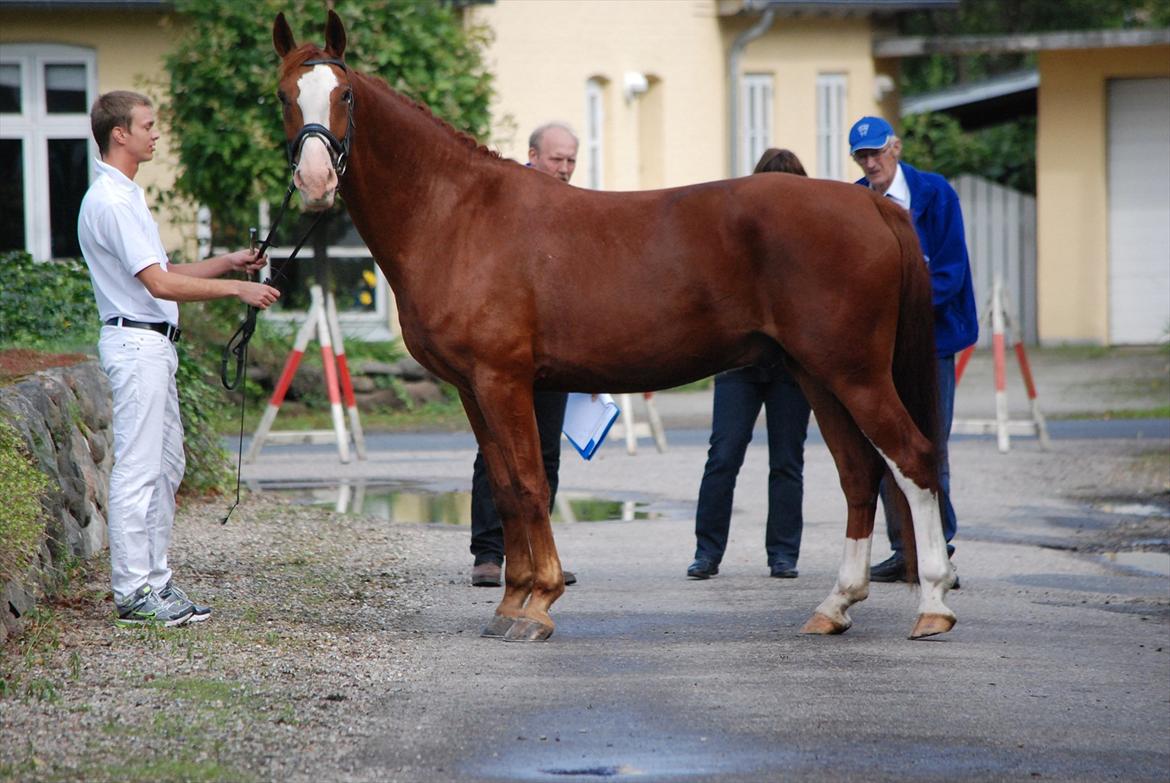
(934, 211)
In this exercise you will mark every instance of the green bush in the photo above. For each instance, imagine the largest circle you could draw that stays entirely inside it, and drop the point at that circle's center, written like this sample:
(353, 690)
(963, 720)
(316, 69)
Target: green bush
(22, 485)
(47, 304)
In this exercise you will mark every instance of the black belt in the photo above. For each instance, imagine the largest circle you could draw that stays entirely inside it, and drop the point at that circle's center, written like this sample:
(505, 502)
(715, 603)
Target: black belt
(172, 333)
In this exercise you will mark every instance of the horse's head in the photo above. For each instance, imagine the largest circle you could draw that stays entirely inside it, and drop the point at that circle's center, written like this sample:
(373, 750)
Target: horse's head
(317, 98)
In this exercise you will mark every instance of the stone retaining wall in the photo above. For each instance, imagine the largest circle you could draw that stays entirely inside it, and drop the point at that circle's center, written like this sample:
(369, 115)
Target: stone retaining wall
(63, 416)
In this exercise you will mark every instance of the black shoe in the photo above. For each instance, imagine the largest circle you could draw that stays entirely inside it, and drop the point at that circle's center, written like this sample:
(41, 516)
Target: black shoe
(890, 570)
(702, 569)
(782, 570)
(570, 577)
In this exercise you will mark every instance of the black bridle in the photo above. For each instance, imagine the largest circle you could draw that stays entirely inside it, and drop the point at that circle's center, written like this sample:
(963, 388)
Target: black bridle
(338, 149)
(237, 344)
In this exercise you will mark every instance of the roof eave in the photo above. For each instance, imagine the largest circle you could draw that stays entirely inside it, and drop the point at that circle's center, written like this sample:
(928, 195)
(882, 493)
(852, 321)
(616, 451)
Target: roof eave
(1018, 42)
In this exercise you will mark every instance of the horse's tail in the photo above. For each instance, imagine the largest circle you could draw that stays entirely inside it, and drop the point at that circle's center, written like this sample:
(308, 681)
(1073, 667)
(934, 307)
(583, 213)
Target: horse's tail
(914, 370)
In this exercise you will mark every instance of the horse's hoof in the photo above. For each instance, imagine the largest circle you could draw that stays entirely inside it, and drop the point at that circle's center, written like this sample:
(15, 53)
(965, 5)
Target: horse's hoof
(932, 625)
(525, 630)
(821, 625)
(498, 627)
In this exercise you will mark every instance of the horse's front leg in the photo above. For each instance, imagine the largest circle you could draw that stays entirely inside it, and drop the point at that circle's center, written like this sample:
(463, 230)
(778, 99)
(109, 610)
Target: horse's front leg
(503, 417)
(517, 554)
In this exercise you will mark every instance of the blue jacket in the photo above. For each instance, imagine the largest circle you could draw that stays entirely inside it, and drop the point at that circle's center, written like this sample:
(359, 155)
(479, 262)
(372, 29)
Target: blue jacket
(934, 210)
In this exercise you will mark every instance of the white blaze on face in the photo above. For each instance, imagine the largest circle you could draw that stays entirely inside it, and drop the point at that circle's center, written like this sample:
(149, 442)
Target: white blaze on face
(315, 177)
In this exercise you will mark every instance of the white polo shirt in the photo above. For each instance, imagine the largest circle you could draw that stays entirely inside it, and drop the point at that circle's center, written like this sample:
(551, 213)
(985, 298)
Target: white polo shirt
(119, 239)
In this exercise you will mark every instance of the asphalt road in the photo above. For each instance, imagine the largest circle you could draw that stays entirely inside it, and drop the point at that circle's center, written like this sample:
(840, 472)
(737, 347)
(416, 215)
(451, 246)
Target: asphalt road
(1059, 667)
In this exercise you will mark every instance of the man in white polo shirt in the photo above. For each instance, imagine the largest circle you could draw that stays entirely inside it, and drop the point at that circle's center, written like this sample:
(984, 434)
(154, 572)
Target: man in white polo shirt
(137, 292)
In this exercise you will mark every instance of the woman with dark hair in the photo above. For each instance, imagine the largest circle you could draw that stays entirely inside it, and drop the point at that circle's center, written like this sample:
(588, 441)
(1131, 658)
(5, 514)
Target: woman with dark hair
(739, 394)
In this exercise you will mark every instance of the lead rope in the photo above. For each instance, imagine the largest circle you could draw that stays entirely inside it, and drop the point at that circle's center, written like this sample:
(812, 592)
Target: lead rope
(237, 344)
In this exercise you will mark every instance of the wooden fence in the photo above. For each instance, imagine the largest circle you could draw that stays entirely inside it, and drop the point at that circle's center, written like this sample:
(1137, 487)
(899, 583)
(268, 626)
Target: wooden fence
(1000, 224)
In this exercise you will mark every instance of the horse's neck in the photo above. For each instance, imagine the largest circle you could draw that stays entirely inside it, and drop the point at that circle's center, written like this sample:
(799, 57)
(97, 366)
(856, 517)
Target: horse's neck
(400, 155)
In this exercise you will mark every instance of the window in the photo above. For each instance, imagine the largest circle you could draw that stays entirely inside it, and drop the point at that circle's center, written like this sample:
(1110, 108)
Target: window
(831, 126)
(595, 132)
(365, 304)
(45, 146)
(755, 120)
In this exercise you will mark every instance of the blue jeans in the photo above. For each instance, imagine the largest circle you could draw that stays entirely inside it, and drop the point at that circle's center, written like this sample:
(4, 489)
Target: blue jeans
(738, 397)
(487, 530)
(946, 412)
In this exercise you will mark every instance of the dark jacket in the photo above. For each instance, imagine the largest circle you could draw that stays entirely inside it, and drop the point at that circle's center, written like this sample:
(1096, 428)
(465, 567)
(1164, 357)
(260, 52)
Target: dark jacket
(934, 210)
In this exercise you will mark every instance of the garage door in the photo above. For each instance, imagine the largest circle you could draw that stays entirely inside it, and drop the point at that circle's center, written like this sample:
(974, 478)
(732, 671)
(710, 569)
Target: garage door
(1139, 210)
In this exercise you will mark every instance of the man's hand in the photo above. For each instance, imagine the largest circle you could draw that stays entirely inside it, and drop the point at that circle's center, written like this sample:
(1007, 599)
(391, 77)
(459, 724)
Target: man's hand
(258, 294)
(246, 261)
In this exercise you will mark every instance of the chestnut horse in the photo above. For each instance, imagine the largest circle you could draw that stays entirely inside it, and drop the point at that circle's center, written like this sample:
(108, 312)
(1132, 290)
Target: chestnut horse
(508, 280)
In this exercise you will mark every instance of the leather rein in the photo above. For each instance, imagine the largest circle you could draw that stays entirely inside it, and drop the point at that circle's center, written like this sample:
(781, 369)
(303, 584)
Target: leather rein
(237, 344)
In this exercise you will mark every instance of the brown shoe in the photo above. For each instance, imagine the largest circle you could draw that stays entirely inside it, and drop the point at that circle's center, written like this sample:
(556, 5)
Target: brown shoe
(486, 575)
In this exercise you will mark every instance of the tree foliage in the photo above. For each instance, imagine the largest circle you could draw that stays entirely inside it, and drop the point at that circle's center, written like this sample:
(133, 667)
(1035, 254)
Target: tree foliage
(1003, 153)
(222, 110)
(1003, 17)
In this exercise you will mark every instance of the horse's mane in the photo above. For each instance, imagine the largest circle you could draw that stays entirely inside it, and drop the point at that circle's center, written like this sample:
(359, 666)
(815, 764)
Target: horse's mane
(464, 138)
(309, 51)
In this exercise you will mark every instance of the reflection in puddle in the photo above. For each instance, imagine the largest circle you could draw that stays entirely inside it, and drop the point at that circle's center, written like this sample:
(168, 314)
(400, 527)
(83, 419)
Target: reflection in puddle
(407, 503)
(1153, 562)
(1134, 509)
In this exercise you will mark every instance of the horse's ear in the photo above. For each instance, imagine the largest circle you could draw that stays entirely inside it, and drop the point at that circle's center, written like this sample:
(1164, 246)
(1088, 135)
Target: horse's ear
(334, 35)
(282, 37)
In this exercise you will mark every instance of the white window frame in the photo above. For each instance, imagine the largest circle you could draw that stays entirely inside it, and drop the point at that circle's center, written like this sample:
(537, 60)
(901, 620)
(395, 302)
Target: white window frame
(755, 119)
(34, 127)
(595, 133)
(380, 324)
(831, 96)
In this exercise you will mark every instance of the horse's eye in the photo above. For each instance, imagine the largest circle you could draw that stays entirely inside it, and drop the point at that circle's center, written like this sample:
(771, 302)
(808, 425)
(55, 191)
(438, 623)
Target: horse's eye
(347, 96)
(283, 98)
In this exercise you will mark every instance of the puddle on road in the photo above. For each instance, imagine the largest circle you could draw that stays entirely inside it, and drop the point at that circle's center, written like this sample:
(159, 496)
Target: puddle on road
(1152, 562)
(1131, 509)
(412, 504)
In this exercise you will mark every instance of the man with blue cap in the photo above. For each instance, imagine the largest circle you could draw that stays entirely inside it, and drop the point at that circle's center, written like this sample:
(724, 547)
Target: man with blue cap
(934, 210)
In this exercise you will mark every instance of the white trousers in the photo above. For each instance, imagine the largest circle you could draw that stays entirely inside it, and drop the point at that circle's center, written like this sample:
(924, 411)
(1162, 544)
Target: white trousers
(148, 455)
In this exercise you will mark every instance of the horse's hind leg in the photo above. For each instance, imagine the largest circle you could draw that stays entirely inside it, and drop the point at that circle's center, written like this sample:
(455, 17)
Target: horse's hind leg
(912, 463)
(860, 469)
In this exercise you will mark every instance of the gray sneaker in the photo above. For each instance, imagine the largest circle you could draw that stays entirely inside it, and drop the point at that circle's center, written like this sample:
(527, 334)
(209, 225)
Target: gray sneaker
(172, 595)
(146, 608)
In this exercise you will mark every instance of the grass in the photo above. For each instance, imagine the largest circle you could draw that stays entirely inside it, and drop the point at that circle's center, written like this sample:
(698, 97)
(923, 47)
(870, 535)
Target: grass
(22, 525)
(443, 416)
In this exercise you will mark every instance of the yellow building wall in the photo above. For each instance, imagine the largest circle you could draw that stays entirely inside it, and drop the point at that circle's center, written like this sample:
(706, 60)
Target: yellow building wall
(676, 133)
(795, 52)
(1072, 209)
(543, 54)
(129, 47)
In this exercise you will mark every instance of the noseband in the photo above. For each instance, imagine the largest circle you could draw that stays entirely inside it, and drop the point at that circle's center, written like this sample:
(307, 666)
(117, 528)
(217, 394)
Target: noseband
(338, 149)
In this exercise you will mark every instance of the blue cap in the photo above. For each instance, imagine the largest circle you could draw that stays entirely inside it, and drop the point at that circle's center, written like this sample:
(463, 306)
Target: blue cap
(869, 133)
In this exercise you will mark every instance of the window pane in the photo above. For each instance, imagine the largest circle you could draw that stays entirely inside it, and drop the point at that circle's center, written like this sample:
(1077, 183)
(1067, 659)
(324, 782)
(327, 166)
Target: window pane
(293, 278)
(65, 89)
(10, 88)
(355, 284)
(11, 195)
(68, 179)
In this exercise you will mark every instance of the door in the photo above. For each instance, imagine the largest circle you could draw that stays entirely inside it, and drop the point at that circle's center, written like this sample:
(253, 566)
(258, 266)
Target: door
(1139, 210)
